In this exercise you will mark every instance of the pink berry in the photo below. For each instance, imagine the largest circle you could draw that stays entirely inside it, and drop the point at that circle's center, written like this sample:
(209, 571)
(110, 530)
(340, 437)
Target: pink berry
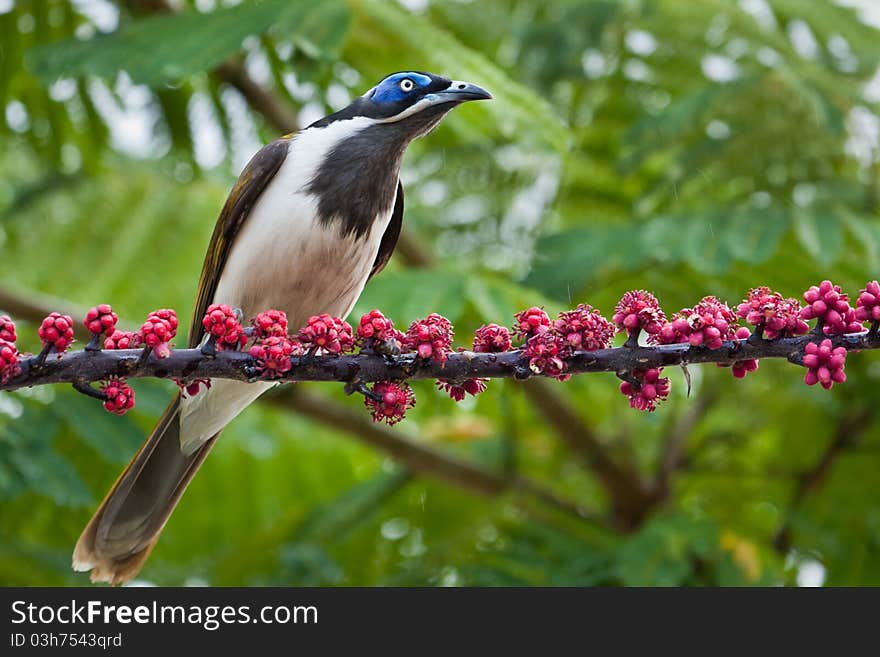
(327, 335)
(9, 358)
(375, 326)
(101, 320)
(270, 322)
(273, 354)
(648, 390)
(430, 338)
(119, 396)
(396, 399)
(639, 310)
(530, 322)
(547, 352)
(56, 331)
(584, 328)
(457, 392)
(7, 329)
(123, 340)
(825, 364)
(159, 329)
(492, 338)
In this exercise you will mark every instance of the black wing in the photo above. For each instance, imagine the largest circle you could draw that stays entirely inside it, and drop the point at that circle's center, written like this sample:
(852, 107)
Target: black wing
(392, 233)
(250, 184)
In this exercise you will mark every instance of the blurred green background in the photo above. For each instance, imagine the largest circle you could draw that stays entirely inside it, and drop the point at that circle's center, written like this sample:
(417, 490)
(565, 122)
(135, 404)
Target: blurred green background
(687, 147)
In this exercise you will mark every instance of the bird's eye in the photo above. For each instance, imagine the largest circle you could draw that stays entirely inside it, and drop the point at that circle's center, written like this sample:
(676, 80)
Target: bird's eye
(406, 84)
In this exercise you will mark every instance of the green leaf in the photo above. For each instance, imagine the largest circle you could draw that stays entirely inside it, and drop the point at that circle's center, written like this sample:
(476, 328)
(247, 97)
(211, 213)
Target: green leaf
(753, 235)
(114, 438)
(408, 295)
(170, 47)
(820, 233)
(567, 261)
(28, 462)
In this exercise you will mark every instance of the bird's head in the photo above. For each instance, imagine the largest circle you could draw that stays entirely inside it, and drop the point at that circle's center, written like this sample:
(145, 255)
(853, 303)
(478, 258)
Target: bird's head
(410, 102)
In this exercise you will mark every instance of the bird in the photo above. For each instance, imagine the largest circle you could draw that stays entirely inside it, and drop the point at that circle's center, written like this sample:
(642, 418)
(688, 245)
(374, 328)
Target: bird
(312, 217)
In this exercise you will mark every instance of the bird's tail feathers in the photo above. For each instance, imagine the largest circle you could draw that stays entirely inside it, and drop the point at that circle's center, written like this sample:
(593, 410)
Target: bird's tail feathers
(127, 524)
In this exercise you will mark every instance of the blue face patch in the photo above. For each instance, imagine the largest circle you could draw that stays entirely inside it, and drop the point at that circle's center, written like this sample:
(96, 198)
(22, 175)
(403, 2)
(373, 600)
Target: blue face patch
(394, 88)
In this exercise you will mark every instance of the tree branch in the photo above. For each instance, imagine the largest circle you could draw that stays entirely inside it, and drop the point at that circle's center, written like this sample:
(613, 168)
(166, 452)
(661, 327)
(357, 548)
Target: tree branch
(414, 457)
(848, 433)
(277, 113)
(628, 494)
(672, 451)
(460, 366)
(421, 459)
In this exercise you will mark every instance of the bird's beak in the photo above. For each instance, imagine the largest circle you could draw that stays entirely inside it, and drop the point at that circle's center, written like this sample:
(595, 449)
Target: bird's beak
(462, 91)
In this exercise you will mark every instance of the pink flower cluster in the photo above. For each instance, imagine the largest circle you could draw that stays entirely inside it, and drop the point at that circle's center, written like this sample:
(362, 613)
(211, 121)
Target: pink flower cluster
(549, 344)
(221, 322)
(123, 340)
(270, 323)
(101, 320)
(830, 307)
(638, 310)
(824, 364)
(56, 331)
(430, 338)
(119, 397)
(326, 335)
(491, 338)
(530, 322)
(393, 402)
(709, 323)
(158, 331)
(584, 328)
(775, 315)
(375, 326)
(648, 390)
(457, 392)
(742, 367)
(9, 356)
(273, 353)
(868, 303)
(7, 329)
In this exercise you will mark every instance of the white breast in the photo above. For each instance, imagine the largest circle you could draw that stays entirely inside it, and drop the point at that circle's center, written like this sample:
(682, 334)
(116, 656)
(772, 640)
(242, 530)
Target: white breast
(283, 258)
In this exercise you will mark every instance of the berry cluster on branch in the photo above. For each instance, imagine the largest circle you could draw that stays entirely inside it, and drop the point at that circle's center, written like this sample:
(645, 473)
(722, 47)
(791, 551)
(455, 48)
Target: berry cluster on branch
(578, 340)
